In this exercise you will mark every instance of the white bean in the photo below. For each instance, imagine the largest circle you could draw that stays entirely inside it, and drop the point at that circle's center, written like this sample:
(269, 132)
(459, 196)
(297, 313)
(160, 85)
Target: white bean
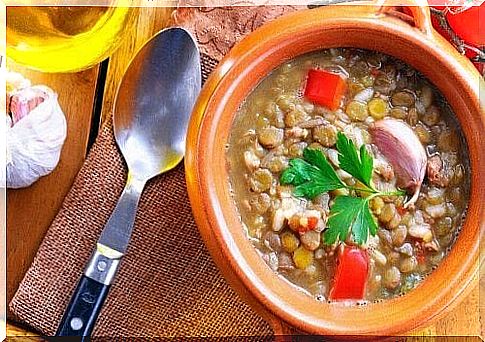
(364, 95)
(278, 220)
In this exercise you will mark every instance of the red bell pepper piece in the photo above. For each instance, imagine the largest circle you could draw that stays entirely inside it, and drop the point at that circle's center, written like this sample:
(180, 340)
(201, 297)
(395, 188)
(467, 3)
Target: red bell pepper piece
(420, 257)
(312, 222)
(465, 23)
(401, 210)
(351, 274)
(325, 88)
(468, 24)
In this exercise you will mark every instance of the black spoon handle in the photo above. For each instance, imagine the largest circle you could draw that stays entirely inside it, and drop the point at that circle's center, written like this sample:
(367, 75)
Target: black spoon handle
(83, 310)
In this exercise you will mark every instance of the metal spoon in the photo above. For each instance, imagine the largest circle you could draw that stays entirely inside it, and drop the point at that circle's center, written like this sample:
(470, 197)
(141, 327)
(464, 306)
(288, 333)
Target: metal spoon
(151, 115)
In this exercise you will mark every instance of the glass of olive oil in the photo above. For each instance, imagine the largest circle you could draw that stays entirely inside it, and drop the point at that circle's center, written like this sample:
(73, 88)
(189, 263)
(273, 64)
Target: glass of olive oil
(63, 38)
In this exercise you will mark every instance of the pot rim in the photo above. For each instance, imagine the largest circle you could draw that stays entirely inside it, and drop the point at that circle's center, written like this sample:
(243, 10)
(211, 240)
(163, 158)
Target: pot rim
(218, 225)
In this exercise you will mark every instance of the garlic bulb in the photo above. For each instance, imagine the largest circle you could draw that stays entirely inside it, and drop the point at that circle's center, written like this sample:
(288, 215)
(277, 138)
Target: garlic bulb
(23, 102)
(402, 148)
(35, 133)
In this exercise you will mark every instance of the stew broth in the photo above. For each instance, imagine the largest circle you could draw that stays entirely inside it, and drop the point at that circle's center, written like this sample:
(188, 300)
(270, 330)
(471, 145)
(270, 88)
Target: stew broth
(277, 122)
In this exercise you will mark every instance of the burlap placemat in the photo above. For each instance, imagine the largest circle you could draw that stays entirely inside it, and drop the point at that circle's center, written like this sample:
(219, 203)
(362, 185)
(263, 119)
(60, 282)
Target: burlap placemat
(168, 284)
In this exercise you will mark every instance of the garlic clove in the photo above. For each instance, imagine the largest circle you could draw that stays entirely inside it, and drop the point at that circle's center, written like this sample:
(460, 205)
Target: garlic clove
(24, 101)
(400, 145)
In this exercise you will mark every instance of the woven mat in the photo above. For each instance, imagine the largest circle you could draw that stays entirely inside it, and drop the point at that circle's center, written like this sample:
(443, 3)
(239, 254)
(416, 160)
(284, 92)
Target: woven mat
(168, 284)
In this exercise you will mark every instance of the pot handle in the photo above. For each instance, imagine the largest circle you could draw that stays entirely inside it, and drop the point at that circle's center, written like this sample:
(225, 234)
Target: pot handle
(421, 15)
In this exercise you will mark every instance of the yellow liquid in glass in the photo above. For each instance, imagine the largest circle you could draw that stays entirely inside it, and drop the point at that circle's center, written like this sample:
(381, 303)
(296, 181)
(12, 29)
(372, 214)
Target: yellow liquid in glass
(62, 39)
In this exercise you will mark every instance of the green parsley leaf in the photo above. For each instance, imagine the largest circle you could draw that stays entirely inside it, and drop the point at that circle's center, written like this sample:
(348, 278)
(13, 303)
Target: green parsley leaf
(318, 159)
(312, 189)
(312, 176)
(350, 214)
(359, 165)
(296, 174)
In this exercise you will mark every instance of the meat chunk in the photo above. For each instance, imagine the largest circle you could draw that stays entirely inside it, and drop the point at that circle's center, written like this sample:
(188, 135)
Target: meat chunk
(436, 173)
(317, 121)
(421, 231)
(384, 169)
(307, 220)
(296, 132)
(432, 246)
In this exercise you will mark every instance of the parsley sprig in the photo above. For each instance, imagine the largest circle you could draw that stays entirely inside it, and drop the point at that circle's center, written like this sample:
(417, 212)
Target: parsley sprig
(313, 175)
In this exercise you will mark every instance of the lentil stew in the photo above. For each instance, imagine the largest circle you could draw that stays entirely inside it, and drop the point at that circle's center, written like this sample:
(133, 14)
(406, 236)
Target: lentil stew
(385, 112)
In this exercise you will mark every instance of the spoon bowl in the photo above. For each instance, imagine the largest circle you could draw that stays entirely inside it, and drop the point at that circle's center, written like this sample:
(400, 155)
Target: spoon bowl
(150, 131)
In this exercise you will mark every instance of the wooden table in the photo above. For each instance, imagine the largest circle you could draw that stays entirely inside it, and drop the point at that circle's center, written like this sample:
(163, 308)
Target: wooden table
(31, 210)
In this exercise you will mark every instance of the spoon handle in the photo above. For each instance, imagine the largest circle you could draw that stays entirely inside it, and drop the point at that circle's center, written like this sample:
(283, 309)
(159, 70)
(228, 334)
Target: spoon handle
(83, 310)
(87, 300)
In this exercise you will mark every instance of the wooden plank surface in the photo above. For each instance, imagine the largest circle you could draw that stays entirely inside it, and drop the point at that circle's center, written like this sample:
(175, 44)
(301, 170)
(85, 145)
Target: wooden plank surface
(31, 210)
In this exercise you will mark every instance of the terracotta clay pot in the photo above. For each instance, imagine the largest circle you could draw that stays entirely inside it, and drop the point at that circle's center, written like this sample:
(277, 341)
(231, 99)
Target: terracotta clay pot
(368, 27)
